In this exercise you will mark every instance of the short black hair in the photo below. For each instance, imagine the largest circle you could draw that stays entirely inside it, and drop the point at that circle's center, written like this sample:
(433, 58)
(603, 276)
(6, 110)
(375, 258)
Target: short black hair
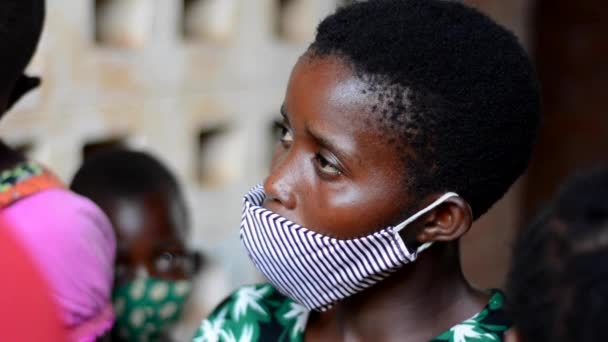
(21, 23)
(122, 173)
(452, 85)
(558, 283)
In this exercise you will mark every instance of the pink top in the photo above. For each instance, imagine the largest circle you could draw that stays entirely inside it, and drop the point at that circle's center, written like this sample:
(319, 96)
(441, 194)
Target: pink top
(73, 243)
(25, 297)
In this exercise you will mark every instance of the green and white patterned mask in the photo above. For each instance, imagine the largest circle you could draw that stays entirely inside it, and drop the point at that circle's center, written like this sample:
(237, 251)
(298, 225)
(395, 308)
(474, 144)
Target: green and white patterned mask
(145, 307)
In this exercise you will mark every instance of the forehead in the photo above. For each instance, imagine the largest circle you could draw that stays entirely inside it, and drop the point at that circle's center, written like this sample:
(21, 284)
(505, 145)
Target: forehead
(148, 216)
(327, 84)
(326, 95)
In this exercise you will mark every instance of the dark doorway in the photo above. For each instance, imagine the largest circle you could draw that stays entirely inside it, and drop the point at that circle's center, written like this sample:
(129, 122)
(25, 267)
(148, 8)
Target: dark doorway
(570, 45)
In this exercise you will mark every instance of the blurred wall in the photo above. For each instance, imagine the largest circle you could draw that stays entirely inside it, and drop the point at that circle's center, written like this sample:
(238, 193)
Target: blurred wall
(199, 83)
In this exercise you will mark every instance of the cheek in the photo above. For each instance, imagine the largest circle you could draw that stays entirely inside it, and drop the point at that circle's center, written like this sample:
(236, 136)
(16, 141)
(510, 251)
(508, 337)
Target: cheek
(350, 211)
(343, 208)
(278, 155)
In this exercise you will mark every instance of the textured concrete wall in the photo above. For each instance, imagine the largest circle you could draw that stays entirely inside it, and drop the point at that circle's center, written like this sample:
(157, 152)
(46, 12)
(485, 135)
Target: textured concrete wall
(161, 74)
(158, 74)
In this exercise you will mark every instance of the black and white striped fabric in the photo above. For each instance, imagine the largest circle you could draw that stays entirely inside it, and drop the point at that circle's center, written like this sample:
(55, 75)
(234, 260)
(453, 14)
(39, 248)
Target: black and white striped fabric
(316, 270)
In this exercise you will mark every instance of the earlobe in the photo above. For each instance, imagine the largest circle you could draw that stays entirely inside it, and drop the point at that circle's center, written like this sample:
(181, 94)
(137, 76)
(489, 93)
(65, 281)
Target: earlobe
(448, 222)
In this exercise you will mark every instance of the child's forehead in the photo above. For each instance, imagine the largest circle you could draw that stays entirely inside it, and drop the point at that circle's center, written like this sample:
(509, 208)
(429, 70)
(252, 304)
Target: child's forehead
(148, 214)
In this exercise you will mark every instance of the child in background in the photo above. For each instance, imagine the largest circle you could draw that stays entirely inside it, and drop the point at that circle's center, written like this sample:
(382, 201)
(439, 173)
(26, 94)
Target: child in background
(558, 283)
(149, 214)
(68, 237)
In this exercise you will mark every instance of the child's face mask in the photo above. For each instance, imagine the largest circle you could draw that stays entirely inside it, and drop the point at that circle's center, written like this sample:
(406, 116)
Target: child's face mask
(317, 270)
(146, 306)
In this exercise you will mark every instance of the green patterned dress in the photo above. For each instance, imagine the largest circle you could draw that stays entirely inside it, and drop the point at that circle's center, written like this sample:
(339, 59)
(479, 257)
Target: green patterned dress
(261, 313)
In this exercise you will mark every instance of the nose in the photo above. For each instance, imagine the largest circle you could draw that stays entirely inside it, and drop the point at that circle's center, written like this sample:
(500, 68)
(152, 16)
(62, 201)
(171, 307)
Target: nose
(279, 185)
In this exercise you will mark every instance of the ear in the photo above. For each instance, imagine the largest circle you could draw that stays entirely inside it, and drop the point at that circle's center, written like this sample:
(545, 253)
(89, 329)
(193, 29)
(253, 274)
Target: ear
(24, 85)
(448, 222)
(512, 335)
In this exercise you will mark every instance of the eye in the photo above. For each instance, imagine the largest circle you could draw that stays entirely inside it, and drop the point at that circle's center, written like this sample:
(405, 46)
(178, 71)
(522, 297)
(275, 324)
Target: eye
(164, 262)
(326, 167)
(285, 136)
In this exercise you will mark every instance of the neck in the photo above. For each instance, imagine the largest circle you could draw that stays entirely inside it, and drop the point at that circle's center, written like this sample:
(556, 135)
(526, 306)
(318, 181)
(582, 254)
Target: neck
(419, 301)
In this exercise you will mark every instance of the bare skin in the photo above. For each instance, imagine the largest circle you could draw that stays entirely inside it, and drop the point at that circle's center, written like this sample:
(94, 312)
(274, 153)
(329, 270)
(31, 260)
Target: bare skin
(148, 234)
(512, 335)
(334, 173)
(145, 231)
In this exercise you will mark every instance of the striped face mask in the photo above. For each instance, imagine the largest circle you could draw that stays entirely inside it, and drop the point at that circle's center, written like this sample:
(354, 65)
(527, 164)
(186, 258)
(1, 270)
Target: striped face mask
(316, 270)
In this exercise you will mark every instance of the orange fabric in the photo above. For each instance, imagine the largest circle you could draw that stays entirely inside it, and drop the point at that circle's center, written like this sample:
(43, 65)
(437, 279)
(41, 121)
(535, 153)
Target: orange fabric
(29, 186)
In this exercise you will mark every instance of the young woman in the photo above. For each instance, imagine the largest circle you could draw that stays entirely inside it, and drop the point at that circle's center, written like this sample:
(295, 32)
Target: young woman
(404, 122)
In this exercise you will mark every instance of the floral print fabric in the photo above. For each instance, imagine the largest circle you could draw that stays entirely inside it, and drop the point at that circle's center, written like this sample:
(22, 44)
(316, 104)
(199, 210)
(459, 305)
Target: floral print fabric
(261, 313)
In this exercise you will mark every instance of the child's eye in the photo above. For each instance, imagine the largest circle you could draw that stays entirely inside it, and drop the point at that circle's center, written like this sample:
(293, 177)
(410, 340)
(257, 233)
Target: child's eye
(164, 262)
(326, 167)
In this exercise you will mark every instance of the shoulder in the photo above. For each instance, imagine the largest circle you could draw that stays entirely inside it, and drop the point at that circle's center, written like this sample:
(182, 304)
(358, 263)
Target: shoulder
(62, 223)
(252, 313)
(489, 325)
(59, 207)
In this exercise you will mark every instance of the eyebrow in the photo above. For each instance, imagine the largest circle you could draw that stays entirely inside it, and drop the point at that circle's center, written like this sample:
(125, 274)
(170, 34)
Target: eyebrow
(333, 147)
(163, 245)
(324, 142)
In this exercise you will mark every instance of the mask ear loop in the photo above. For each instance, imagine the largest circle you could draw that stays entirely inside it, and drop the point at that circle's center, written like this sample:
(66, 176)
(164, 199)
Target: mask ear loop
(417, 215)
